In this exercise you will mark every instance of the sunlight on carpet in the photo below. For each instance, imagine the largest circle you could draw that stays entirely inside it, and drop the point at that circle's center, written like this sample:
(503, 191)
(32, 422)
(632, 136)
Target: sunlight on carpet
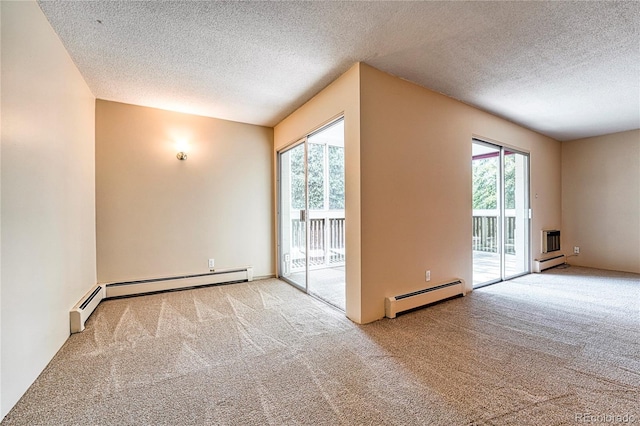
(536, 350)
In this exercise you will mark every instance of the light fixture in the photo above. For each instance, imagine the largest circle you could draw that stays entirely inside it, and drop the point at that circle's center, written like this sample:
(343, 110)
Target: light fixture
(182, 147)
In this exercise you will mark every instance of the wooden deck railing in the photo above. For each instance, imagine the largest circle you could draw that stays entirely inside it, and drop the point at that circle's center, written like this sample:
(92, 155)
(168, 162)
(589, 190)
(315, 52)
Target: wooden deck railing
(485, 232)
(327, 237)
(326, 240)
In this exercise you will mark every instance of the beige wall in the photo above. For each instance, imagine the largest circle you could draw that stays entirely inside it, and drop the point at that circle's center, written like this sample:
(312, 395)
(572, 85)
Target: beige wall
(48, 195)
(339, 98)
(416, 185)
(158, 216)
(1, 410)
(601, 201)
(411, 160)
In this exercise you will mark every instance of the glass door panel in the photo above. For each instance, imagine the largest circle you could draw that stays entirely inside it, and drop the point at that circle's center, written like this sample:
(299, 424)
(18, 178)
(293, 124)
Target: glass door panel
(500, 213)
(486, 214)
(516, 196)
(311, 203)
(293, 214)
(326, 214)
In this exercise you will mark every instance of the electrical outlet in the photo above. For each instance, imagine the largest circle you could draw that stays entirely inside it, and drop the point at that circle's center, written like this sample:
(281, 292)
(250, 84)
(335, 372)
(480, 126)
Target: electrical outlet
(427, 276)
(212, 264)
(576, 250)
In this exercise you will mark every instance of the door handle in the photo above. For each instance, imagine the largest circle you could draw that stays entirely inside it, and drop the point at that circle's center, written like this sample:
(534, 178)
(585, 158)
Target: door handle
(303, 215)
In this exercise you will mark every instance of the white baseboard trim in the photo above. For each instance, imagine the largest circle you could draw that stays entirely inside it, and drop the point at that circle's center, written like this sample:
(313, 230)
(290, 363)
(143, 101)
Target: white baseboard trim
(540, 265)
(85, 307)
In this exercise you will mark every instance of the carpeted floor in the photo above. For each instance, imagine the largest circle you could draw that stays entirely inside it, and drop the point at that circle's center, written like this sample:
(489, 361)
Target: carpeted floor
(542, 349)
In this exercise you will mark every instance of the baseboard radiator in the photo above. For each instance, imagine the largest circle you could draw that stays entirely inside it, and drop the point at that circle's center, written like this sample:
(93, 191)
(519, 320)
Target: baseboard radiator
(405, 302)
(85, 307)
(540, 265)
(81, 312)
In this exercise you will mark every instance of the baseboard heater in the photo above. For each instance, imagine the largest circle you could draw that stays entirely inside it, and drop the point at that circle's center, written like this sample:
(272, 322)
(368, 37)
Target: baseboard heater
(540, 265)
(85, 307)
(416, 299)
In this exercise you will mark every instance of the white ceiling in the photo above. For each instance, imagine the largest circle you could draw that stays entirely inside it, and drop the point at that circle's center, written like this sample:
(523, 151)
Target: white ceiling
(565, 69)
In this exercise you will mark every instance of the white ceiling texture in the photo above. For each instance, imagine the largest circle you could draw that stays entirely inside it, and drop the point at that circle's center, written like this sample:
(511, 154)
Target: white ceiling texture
(565, 69)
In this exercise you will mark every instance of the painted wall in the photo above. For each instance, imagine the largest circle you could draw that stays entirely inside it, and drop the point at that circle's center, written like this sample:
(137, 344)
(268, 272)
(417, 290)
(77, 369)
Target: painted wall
(1, 410)
(416, 185)
(48, 195)
(408, 167)
(158, 216)
(601, 201)
(339, 98)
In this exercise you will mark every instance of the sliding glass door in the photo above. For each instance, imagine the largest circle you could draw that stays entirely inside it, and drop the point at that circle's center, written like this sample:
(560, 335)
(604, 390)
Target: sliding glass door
(487, 229)
(516, 214)
(293, 213)
(311, 214)
(500, 213)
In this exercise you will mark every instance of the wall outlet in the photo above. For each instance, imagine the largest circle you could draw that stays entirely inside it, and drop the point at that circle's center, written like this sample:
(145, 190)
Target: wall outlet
(427, 276)
(212, 264)
(576, 250)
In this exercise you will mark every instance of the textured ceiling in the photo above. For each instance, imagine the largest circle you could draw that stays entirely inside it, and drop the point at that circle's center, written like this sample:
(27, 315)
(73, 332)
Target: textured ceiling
(565, 69)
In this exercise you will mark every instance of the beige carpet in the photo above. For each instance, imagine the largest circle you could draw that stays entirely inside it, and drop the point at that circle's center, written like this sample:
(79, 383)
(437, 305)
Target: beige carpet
(541, 349)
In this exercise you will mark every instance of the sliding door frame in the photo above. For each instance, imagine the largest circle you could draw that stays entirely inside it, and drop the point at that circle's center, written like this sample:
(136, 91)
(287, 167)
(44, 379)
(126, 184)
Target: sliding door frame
(305, 142)
(281, 275)
(501, 195)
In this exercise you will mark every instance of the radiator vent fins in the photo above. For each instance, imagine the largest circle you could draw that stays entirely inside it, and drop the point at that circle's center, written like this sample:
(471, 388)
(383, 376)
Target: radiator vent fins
(550, 240)
(427, 290)
(181, 277)
(88, 300)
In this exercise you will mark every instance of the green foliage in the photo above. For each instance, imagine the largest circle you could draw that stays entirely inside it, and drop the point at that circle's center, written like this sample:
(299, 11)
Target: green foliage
(485, 182)
(336, 177)
(510, 181)
(317, 177)
(296, 159)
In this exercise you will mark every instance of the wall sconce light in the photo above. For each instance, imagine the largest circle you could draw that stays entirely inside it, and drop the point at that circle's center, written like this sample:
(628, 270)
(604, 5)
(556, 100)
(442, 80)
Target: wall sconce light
(182, 146)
